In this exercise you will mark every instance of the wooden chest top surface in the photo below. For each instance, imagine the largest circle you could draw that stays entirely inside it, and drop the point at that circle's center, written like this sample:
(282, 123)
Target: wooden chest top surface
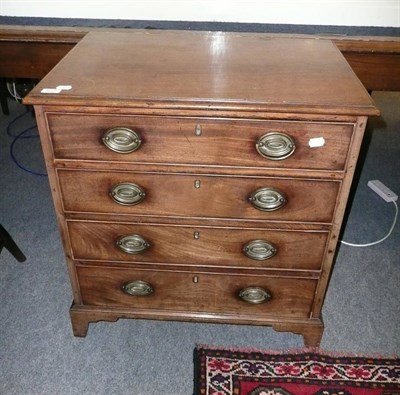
(215, 70)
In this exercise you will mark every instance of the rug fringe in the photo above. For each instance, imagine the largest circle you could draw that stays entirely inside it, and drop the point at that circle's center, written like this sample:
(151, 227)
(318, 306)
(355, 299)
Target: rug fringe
(298, 351)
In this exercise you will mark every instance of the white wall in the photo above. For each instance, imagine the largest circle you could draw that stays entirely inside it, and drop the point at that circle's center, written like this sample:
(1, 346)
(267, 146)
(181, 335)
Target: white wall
(310, 12)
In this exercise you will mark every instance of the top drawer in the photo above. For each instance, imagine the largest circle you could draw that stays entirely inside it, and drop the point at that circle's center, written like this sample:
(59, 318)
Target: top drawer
(201, 141)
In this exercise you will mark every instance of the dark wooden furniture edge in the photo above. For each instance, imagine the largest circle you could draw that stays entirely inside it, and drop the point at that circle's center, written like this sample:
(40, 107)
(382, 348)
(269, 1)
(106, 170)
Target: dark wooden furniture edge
(32, 51)
(82, 316)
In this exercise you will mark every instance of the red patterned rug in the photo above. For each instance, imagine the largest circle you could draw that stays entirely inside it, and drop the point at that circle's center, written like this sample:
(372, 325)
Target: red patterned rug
(227, 372)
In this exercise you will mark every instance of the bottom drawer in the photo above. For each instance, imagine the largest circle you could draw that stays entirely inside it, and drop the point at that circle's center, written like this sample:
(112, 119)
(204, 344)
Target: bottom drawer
(216, 293)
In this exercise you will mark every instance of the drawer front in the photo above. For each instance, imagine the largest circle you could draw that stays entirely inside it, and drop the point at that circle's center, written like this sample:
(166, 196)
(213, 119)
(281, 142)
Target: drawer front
(185, 245)
(198, 196)
(200, 141)
(191, 292)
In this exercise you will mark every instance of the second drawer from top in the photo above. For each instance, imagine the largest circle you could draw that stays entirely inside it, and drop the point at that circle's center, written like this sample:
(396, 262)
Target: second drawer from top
(183, 195)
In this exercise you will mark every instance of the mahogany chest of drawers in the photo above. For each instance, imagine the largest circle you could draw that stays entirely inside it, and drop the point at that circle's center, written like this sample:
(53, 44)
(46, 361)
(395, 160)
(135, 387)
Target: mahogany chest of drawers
(201, 176)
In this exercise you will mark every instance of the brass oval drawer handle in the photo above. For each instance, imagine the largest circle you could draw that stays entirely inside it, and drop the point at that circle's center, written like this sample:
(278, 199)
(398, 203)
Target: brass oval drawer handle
(260, 250)
(122, 140)
(132, 244)
(127, 194)
(275, 146)
(254, 295)
(137, 288)
(268, 199)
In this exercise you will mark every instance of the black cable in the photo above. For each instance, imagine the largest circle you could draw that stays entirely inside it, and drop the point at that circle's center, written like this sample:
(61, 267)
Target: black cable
(19, 136)
(9, 134)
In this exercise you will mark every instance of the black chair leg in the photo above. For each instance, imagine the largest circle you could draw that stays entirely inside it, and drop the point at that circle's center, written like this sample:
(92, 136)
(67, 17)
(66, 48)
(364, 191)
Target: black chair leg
(7, 241)
(3, 96)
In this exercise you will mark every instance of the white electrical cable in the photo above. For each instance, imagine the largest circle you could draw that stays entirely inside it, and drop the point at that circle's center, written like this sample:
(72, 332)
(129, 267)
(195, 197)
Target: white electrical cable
(12, 90)
(380, 240)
